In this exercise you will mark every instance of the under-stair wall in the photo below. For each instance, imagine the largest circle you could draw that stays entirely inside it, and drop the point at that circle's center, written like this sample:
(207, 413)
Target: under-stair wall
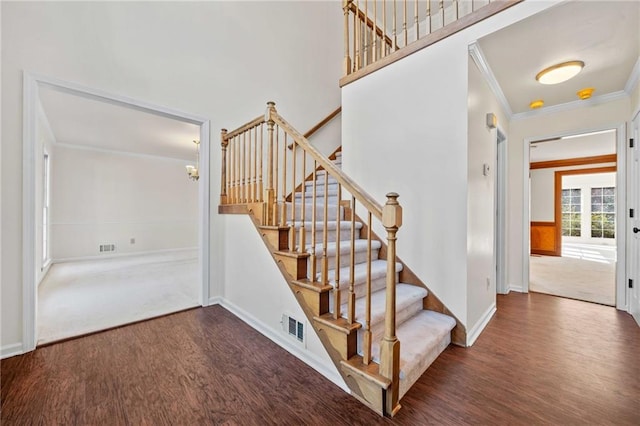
(414, 116)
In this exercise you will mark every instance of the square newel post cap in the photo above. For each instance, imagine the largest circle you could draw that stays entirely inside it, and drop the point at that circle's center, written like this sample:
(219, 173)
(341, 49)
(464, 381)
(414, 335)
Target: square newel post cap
(392, 212)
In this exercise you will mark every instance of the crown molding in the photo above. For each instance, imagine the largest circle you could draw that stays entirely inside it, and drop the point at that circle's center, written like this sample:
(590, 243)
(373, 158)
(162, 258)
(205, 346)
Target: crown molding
(478, 57)
(633, 77)
(573, 105)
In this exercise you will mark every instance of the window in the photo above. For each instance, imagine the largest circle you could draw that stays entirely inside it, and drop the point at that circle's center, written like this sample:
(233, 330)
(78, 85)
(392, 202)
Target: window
(571, 215)
(603, 212)
(45, 208)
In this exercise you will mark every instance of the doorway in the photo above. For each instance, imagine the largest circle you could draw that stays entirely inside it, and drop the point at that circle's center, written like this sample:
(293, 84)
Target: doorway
(34, 270)
(575, 207)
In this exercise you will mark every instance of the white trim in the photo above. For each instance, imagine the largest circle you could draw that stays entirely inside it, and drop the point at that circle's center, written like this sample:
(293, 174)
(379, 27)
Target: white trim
(516, 288)
(123, 153)
(131, 222)
(11, 350)
(477, 329)
(45, 122)
(501, 201)
(485, 69)
(216, 300)
(633, 78)
(305, 356)
(117, 255)
(31, 84)
(621, 288)
(568, 106)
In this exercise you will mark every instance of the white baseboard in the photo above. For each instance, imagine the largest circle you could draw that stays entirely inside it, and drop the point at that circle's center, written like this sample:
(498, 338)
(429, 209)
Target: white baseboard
(307, 357)
(516, 288)
(476, 330)
(116, 255)
(11, 350)
(216, 300)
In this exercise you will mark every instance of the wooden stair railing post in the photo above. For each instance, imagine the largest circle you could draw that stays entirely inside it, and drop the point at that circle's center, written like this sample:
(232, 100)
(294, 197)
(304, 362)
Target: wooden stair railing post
(347, 57)
(390, 345)
(223, 181)
(270, 191)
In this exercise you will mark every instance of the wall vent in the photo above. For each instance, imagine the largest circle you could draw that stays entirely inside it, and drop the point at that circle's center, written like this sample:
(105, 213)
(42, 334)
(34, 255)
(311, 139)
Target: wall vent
(293, 327)
(105, 248)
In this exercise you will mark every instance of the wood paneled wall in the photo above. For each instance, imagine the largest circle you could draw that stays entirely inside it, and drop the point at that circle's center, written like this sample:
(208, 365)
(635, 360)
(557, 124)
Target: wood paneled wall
(544, 239)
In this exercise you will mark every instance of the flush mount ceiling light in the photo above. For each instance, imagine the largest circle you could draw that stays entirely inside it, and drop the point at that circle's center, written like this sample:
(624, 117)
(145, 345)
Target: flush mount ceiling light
(536, 104)
(560, 72)
(585, 93)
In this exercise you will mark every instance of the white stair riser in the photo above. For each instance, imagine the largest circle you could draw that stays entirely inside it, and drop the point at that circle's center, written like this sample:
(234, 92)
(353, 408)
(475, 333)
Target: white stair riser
(402, 315)
(345, 234)
(320, 181)
(361, 289)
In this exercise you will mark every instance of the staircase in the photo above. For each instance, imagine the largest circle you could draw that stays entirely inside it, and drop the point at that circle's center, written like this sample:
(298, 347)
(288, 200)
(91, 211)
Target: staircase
(379, 323)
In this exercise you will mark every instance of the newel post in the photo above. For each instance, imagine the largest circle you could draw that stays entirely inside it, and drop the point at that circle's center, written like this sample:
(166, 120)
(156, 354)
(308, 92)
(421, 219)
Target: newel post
(390, 345)
(346, 5)
(223, 179)
(270, 190)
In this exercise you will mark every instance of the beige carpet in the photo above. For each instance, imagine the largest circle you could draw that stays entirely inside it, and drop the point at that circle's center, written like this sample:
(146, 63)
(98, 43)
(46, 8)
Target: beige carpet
(77, 298)
(584, 272)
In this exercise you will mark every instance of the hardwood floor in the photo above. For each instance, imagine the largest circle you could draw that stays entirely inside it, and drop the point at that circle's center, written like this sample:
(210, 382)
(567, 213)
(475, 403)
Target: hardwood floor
(541, 360)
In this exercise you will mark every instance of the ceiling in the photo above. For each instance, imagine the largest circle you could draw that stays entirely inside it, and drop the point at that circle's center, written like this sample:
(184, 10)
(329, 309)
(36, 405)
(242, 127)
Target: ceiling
(81, 121)
(602, 34)
(589, 145)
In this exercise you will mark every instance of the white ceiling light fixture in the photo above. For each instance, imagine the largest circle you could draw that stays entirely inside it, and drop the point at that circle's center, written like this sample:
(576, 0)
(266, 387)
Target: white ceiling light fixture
(192, 171)
(560, 72)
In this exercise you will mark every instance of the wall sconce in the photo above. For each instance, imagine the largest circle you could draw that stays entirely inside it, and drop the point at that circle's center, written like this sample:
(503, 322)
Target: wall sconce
(192, 171)
(492, 120)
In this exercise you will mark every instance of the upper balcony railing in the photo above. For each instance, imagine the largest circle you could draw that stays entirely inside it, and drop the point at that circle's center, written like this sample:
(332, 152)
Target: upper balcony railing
(380, 32)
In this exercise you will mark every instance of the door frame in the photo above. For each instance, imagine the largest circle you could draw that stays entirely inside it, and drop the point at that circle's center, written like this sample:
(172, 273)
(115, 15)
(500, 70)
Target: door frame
(621, 202)
(633, 200)
(31, 85)
(500, 227)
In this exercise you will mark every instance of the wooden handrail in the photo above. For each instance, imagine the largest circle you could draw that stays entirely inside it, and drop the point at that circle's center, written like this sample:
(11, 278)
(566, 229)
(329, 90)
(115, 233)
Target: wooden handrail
(250, 125)
(323, 122)
(369, 23)
(365, 199)
(320, 124)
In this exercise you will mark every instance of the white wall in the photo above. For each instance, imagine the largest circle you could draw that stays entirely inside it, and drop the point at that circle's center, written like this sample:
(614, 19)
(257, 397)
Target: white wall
(600, 116)
(221, 60)
(405, 129)
(101, 197)
(542, 186)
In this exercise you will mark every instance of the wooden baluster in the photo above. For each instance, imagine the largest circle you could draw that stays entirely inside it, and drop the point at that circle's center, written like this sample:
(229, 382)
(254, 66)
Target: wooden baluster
(352, 264)
(269, 192)
(347, 58)
(223, 179)
(314, 268)
(404, 22)
(250, 166)
(256, 159)
(292, 231)
(243, 167)
(236, 143)
(390, 345)
(277, 174)
(384, 28)
(358, 37)
(260, 176)
(283, 211)
(325, 258)
(367, 54)
(416, 20)
(337, 293)
(366, 357)
(303, 231)
(427, 30)
(375, 32)
(442, 11)
(394, 27)
(355, 40)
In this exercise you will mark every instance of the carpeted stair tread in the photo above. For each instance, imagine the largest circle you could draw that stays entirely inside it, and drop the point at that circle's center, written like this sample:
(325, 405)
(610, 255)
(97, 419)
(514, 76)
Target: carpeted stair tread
(345, 247)
(331, 225)
(406, 295)
(378, 270)
(422, 338)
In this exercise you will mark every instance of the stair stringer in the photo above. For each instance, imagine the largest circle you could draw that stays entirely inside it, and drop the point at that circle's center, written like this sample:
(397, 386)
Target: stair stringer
(338, 338)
